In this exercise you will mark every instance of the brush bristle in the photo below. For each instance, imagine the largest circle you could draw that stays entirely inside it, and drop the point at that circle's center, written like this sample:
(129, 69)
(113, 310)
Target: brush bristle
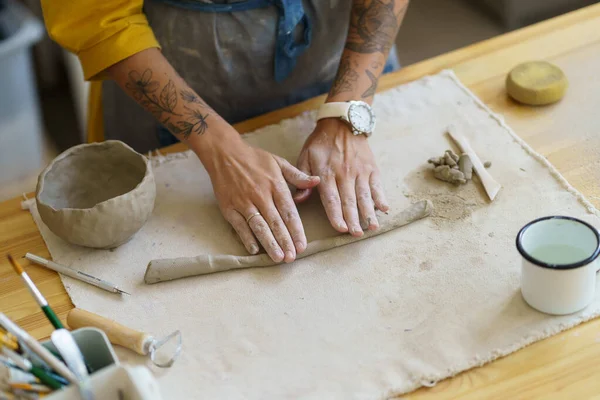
(15, 264)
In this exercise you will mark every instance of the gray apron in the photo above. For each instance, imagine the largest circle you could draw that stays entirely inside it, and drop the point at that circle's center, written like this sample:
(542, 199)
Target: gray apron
(228, 59)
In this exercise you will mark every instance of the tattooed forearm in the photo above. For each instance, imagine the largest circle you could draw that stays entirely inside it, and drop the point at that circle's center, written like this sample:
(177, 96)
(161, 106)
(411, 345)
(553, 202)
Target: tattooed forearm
(162, 103)
(144, 90)
(194, 123)
(345, 79)
(371, 90)
(190, 97)
(374, 25)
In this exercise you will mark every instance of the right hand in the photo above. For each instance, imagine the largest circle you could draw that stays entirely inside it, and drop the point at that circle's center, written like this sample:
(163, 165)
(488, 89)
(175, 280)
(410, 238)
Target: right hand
(247, 180)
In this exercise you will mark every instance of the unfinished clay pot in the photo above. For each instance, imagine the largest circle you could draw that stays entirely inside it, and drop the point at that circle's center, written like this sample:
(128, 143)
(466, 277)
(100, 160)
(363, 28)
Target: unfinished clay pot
(96, 195)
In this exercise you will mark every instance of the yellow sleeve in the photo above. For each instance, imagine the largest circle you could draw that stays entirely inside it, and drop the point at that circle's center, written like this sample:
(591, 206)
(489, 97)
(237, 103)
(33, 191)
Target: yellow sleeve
(100, 33)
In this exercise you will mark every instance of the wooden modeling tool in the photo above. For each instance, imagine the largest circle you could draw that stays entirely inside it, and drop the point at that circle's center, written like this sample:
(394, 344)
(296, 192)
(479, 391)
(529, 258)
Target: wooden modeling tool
(139, 342)
(489, 184)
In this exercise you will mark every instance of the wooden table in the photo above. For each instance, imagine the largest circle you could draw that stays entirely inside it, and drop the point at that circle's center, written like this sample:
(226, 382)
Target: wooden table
(568, 134)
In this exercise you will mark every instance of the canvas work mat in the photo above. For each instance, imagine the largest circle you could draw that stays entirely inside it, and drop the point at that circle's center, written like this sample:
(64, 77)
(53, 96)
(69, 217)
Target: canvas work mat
(374, 319)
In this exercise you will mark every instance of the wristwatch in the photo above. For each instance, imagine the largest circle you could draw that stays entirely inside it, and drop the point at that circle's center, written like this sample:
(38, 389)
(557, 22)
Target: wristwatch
(358, 114)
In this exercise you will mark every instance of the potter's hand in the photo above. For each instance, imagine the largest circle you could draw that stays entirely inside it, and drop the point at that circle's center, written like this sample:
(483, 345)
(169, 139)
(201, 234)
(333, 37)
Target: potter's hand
(251, 187)
(350, 184)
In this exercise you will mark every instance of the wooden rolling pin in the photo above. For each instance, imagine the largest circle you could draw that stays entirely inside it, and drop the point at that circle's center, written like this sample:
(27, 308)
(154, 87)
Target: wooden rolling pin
(139, 342)
(117, 334)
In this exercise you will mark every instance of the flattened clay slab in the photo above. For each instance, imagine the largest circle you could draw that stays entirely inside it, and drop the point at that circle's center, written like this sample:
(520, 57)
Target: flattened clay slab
(176, 268)
(96, 195)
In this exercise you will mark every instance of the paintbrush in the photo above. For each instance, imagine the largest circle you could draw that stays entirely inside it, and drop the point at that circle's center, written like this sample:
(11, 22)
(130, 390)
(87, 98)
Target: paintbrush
(38, 372)
(37, 348)
(37, 295)
(6, 339)
(29, 387)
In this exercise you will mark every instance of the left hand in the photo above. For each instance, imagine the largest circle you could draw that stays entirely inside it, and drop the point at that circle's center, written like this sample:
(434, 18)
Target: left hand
(350, 181)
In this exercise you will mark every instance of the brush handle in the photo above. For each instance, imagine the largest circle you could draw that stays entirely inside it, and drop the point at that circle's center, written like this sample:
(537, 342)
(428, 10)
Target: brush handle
(117, 333)
(45, 378)
(52, 317)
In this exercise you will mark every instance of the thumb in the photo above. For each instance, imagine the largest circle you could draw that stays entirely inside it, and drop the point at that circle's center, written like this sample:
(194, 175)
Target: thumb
(302, 195)
(296, 177)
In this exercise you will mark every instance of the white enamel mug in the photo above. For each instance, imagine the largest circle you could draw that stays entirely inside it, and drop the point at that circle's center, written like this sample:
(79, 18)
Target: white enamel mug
(558, 273)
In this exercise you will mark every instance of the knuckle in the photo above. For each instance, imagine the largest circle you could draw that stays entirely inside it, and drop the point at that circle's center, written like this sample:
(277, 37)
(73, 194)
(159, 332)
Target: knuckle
(365, 197)
(327, 173)
(259, 226)
(289, 216)
(346, 168)
(276, 224)
(349, 202)
(332, 200)
(280, 187)
(299, 175)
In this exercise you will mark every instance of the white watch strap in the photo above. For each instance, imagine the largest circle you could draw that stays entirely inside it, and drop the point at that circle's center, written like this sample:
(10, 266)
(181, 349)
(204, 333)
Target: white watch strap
(333, 110)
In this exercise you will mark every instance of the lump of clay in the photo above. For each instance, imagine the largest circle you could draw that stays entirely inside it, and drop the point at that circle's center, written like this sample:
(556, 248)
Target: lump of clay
(448, 160)
(452, 168)
(452, 155)
(447, 174)
(96, 195)
(466, 166)
(436, 161)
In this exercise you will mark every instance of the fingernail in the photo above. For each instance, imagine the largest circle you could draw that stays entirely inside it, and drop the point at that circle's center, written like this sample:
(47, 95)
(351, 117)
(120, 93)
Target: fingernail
(356, 231)
(253, 249)
(289, 256)
(278, 255)
(299, 246)
(342, 226)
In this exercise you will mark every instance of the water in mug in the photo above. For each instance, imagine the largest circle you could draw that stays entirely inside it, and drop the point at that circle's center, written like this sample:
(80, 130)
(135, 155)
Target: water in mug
(559, 254)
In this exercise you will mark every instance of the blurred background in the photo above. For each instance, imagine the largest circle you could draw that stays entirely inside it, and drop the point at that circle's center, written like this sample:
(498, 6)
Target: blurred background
(43, 98)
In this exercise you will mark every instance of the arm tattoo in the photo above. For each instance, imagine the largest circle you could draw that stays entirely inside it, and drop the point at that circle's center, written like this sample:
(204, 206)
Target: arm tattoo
(345, 79)
(195, 123)
(190, 97)
(373, 26)
(371, 90)
(145, 90)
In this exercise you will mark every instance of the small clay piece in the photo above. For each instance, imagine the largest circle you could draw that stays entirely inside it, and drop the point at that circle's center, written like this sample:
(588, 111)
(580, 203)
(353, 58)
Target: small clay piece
(466, 166)
(454, 156)
(447, 174)
(449, 160)
(175, 268)
(96, 195)
(487, 164)
(436, 161)
(454, 167)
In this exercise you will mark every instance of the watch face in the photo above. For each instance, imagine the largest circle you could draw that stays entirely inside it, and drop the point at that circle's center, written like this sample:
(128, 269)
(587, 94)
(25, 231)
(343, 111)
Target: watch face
(361, 117)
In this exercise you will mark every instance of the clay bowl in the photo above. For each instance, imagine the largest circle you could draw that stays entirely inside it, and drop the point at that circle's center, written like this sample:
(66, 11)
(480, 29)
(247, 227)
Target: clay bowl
(96, 195)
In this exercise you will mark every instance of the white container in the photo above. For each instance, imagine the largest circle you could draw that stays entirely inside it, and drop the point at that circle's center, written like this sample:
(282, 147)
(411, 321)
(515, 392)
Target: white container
(109, 379)
(558, 273)
(21, 131)
(117, 382)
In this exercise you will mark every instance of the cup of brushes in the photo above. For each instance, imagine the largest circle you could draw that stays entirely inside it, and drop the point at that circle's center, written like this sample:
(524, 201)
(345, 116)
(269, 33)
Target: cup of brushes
(74, 364)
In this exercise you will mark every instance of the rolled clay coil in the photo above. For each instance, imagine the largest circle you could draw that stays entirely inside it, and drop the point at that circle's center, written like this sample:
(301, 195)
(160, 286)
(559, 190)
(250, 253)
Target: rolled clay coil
(176, 268)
